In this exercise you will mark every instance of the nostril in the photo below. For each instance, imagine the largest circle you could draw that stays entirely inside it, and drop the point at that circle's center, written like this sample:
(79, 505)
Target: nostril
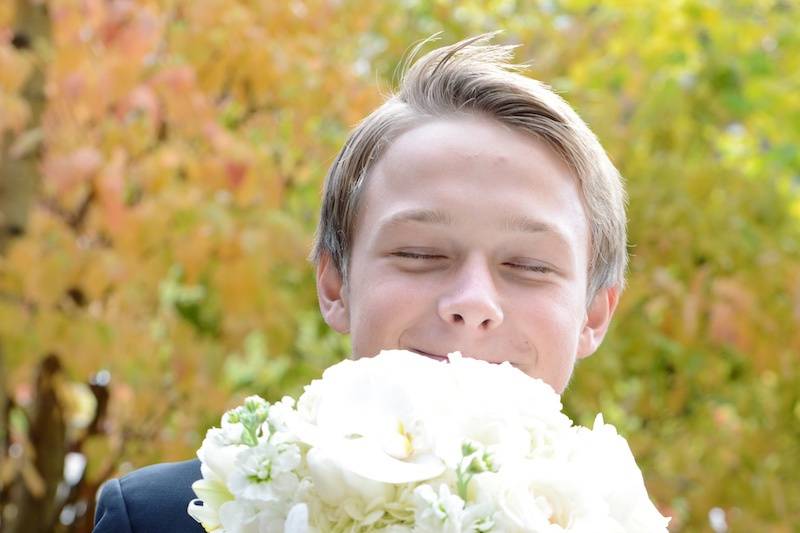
(458, 318)
(485, 323)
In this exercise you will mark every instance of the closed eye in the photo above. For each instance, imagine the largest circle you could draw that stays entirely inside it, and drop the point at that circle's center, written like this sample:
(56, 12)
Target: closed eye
(531, 268)
(414, 255)
(541, 269)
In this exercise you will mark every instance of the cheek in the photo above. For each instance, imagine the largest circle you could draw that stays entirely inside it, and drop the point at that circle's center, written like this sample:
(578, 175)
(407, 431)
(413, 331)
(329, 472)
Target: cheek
(381, 309)
(555, 314)
(551, 323)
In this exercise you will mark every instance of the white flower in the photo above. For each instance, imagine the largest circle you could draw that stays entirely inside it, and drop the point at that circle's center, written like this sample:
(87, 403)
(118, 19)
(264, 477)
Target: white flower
(335, 484)
(445, 512)
(308, 403)
(265, 472)
(504, 406)
(339, 499)
(297, 520)
(368, 420)
(606, 458)
(508, 387)
(239, 517)
(211, 495)
(278, 426)
(372, 397)
(244, 516)
(400, 443)
(217, 455)
(544, 496)
(230, 432)
(442, 512)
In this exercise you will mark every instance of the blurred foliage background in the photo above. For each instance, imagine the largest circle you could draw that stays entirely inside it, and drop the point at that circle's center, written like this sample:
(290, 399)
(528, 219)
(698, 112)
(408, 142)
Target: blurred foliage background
(160, 167)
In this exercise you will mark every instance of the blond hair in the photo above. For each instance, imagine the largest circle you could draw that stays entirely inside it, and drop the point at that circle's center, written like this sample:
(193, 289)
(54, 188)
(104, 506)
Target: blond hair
(475, 77)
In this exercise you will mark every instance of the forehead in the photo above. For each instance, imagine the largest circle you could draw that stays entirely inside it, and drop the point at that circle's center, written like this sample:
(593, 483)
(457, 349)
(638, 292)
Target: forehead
(473, 170)
(458, 137)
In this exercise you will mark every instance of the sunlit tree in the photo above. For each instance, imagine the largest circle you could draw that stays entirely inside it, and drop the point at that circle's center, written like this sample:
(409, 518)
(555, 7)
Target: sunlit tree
(160, 167)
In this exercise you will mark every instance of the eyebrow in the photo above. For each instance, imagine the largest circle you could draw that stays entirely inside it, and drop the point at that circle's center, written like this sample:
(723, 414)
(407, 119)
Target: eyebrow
(515, 223)
(426, 216)
(524, 224)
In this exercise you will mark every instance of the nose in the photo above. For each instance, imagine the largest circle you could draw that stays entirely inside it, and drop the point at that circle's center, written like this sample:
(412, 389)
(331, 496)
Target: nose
(471, 301)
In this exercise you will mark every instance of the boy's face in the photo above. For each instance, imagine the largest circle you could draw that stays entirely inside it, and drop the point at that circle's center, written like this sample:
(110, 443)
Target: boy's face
(470, 237)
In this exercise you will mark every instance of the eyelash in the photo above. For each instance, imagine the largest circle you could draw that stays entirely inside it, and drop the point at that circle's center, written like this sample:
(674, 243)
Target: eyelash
(532, 268)
(412, 255)
(529, 268)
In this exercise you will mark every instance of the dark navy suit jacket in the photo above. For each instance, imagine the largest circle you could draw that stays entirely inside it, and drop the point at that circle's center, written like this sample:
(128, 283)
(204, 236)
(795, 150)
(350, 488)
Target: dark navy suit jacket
(149, 500)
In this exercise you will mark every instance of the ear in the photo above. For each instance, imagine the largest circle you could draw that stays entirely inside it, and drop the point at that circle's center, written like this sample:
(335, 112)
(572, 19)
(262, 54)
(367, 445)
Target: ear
(598, 318)
(331, 295)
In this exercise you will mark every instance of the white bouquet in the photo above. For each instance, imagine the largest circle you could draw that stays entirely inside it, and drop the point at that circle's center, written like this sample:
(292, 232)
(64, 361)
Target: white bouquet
(403, 443)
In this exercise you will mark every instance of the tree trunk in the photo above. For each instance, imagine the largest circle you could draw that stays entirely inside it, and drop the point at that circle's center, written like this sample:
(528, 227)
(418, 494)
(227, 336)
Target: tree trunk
(19, 177)
(33, 492)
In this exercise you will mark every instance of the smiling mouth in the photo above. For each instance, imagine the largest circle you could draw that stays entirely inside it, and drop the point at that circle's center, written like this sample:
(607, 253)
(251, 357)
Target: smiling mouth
(430, 355)
(446, 360)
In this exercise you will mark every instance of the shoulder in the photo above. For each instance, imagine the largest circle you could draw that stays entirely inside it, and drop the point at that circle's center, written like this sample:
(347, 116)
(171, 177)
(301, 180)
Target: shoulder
(151, 499)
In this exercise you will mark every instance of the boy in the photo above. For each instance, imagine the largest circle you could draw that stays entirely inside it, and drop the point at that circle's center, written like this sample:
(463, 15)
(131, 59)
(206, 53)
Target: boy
(473, 211)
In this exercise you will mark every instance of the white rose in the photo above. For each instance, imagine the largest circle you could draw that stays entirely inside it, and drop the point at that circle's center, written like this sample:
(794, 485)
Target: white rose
(505, 394)
(543, 496)
(606, 458)
(497, 405)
